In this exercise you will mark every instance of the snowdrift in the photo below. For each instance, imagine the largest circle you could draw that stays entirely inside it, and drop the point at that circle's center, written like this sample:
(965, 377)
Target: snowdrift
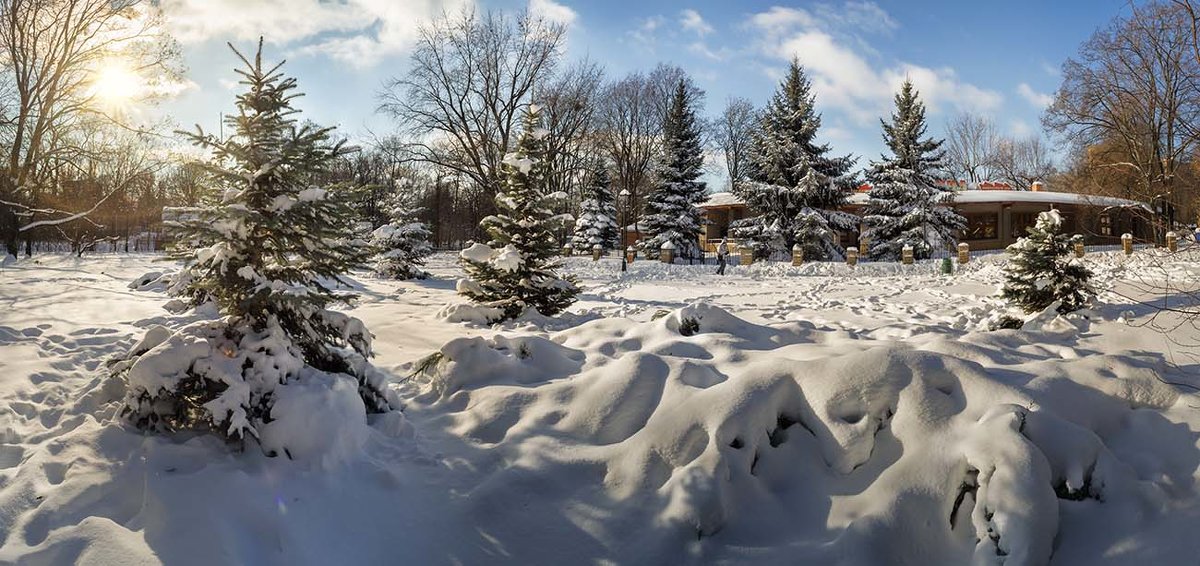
(704, 434)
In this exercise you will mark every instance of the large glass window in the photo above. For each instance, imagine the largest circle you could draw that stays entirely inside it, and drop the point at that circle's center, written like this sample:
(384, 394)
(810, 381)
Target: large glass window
(982, 226)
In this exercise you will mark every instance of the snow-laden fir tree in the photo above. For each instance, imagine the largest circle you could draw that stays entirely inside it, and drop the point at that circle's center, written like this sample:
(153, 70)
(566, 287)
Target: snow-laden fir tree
(672, 213)
(597, 222)
(1042, 269)
(262, 256)
(905, 205)
(403, 243)
(794, 188)
(517, 270)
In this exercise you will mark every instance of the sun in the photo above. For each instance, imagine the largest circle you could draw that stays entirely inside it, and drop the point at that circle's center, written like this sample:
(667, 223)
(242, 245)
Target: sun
(114, 85)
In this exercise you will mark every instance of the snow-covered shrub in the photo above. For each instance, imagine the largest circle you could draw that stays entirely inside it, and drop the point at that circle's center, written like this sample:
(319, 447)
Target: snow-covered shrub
(1043, 269)
(262, 254)
(402, 244)
(597, 222)
(517, 270)
(403, 247)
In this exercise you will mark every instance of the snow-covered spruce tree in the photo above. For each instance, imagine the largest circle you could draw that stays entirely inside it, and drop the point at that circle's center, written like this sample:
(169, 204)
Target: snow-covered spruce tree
(794, 188)
(1043, 270)
(262, 256)
(597, 222)
(517, 270)
(672, 213)
(402, 244)
(905, 204)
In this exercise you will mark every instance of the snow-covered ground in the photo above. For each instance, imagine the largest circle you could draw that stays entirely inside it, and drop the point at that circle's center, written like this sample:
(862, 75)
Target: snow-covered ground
(818, 414)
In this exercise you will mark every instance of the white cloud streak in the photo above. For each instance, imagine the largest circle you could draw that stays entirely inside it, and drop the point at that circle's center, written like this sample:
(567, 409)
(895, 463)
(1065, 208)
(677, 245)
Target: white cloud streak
(1039, 100)
(829, 46)
(357, 32)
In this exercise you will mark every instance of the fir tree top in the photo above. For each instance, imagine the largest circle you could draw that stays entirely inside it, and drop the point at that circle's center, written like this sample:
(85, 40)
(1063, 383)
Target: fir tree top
(904, 134)
(785, 147)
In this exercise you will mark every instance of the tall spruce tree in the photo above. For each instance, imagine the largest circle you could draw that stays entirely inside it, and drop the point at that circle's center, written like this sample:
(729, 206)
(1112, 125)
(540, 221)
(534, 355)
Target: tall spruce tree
(597, 222)
(672, 212)
(1042, 271)
(516, 270)
(264, 254)
(905, 205)
(795, 189)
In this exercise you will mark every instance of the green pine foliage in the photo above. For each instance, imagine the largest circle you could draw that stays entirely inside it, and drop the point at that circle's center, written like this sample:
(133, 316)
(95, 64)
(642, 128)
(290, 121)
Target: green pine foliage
(906, 206)
(672, 213)
(517, 270)
(402, 244)
(1042, 270)
(266, 254)
(794, 187)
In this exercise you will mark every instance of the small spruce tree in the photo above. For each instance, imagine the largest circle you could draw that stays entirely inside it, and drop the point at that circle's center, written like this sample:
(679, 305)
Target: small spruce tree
(516, 270)
(264, 253)
(905, 205)
(597, 222)
(672, 211)
(403, 243)
(1042, 271)
(794, 188)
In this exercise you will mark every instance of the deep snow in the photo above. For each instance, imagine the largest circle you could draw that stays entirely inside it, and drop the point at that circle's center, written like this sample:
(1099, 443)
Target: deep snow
(814, 414)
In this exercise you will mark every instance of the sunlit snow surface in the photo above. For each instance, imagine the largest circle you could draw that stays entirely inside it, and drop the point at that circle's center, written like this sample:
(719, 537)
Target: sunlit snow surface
(819, 414)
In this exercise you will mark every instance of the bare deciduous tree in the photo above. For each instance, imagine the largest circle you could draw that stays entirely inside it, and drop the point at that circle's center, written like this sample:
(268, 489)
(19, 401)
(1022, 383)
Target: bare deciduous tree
(471, 77)
(629, 126)
(1021, 161)
(731, 134)
(51, 52)
(1134, 84)
(970, 139)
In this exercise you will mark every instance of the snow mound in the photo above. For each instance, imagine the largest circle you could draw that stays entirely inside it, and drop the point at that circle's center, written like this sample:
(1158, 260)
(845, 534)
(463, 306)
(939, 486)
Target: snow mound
(723, 430)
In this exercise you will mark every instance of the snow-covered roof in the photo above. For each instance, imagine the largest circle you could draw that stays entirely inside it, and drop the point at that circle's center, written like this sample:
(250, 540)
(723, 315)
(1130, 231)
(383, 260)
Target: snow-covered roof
(1043, 197)
(970, 197)
(722, 199)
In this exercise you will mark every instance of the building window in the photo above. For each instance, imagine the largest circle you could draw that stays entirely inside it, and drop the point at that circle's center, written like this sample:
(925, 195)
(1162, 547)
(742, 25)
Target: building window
(983, 226)
(1106, 225)
(1021, 222)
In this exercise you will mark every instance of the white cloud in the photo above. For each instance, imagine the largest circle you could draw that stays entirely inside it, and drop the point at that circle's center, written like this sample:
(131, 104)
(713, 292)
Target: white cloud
(647, 30)
(846, 78)
(702, 49)
(692, 20)
(1039, 100)
(553, 12)
(358, 32)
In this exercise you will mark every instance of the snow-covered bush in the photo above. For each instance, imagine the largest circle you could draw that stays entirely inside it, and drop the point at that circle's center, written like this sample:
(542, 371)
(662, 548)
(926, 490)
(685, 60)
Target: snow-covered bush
(597, 222)
(1043, 270)
(402, 244)
(517, 270)
(262, 254)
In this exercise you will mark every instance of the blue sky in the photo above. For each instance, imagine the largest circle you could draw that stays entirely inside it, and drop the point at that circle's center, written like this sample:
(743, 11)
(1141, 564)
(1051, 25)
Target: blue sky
(996, 58)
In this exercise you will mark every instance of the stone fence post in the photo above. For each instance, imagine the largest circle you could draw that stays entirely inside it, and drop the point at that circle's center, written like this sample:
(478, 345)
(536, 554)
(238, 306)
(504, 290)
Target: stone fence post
(666, 253)
(906, 255)
(1172, 241)
(964, 253)
(797, 255)
(630, 254)
(1127, 243)
(852, 256)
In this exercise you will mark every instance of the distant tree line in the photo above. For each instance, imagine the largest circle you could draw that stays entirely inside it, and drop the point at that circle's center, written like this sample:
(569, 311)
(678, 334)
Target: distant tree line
(76, 174)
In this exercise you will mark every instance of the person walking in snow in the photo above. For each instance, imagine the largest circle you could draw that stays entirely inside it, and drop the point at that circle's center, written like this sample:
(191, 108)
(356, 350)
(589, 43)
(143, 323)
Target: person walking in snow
(722, 251)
